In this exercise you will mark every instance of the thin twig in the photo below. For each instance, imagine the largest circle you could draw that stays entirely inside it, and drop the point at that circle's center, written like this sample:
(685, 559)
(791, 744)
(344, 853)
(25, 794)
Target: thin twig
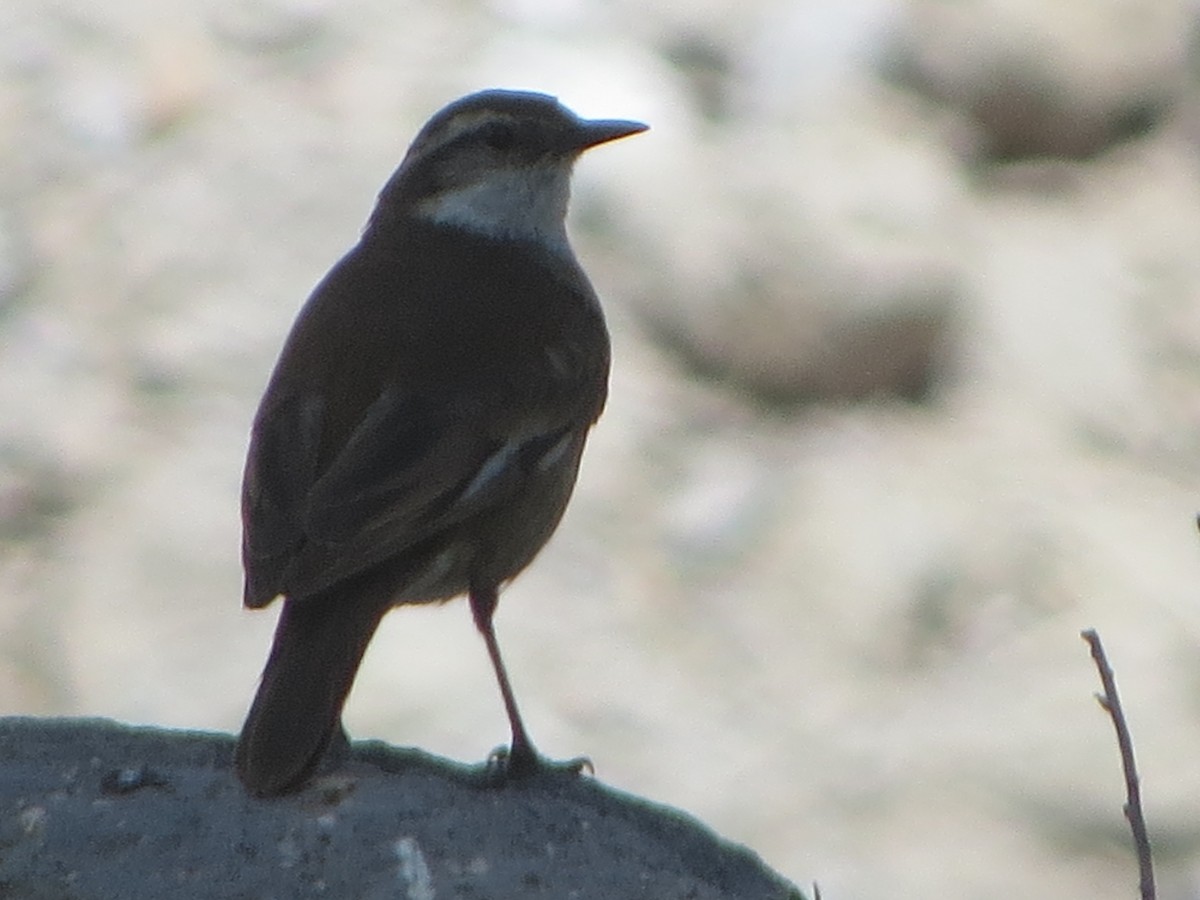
(1111, 703)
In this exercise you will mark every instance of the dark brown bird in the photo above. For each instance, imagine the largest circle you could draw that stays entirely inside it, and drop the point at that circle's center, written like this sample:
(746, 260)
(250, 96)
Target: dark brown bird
(422, 430)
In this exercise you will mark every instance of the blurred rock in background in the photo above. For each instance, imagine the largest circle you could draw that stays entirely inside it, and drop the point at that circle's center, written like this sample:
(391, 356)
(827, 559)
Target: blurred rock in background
(906, 311)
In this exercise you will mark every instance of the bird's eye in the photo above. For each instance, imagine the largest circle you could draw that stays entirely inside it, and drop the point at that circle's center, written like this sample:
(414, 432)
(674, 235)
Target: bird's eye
(499, 136)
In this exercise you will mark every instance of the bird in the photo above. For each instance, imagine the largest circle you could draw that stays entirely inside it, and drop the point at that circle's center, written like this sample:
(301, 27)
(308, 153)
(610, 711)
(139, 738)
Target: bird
(420, 435)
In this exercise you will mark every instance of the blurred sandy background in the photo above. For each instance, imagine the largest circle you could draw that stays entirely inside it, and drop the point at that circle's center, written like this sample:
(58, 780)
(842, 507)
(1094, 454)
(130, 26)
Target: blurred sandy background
(906, 309)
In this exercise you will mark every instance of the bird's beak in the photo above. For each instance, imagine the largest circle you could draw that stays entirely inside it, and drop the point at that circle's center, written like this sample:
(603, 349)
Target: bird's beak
(600, 131)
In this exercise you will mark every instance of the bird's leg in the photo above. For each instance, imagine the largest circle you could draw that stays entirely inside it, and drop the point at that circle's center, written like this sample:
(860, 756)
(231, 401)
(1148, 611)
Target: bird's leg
(522, 757)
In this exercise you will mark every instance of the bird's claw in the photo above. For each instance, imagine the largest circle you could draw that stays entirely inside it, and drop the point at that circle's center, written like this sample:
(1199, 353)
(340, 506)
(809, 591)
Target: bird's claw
(504, 765)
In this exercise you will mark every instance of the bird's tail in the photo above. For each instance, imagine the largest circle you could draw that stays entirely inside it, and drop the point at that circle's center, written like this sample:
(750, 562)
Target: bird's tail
(319, 643)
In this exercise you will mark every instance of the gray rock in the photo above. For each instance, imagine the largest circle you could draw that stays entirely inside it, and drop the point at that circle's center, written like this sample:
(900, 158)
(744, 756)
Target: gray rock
(92, 809)
(1059, 79)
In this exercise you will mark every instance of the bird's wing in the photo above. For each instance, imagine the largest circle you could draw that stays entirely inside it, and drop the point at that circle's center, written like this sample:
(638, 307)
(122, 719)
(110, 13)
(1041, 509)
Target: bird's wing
(281, 466)
(410, 469)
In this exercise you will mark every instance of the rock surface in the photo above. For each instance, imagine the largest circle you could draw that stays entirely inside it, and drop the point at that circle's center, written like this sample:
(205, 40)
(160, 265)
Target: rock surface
(95, 811)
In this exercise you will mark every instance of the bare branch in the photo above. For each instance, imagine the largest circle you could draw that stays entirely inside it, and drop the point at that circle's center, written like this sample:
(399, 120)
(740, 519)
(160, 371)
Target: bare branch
(1110, 701)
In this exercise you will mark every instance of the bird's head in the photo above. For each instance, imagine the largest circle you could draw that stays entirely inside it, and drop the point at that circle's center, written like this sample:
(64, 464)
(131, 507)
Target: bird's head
(497, 163)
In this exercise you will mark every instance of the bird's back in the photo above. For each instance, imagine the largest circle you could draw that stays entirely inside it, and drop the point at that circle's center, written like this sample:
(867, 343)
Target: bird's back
(477, 342)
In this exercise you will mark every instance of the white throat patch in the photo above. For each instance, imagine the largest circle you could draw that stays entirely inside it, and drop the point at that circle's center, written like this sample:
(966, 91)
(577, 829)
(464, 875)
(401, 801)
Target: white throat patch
(526, 204)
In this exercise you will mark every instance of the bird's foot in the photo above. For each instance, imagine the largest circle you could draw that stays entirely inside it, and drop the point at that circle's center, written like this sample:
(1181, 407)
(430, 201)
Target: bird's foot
(505, 764)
